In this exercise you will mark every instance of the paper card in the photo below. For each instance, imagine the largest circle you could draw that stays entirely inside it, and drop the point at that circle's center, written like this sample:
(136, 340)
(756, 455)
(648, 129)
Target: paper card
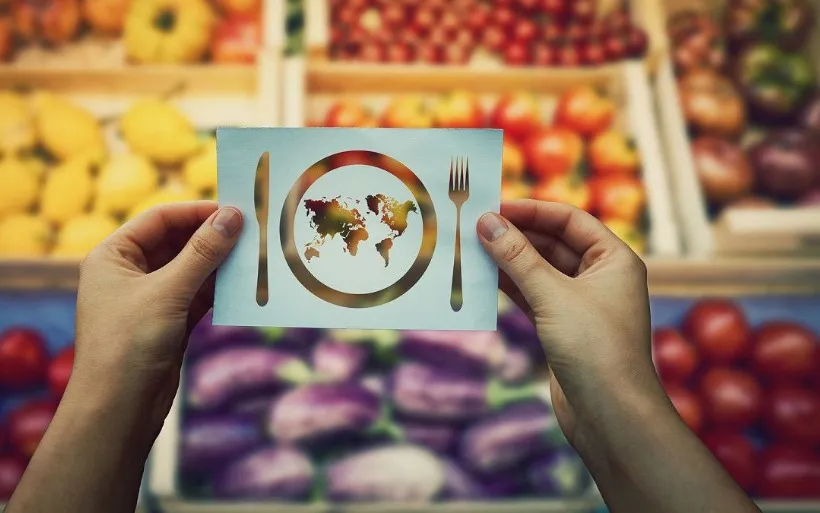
(360, 228)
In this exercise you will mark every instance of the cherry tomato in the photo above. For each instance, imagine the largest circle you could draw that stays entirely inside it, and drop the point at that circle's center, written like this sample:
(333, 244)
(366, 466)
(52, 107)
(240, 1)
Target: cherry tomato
(736, 454)
(788, 473)
(792, 415)
(618, 197)
(719, 330)
(731, 398)
(553, 152)
(688, 406)
(784, 351)
(11, 471)
(675, 358)
(60, 371)
(28, 424)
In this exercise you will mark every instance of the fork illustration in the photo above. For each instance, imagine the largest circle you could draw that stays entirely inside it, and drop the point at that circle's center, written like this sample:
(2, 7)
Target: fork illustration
(459, 194)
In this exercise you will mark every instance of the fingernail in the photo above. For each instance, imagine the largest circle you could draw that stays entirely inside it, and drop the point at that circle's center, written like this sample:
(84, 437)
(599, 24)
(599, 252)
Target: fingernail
(227, 221)
(492, 226)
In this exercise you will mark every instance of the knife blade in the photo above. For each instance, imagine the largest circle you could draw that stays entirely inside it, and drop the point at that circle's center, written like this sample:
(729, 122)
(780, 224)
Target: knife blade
(262, 203)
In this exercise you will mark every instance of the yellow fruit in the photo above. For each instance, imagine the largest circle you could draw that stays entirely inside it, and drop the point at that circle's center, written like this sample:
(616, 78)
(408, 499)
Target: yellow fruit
(24, 235)
(17, 131)
(628, 233)
(168, 31)
(66, 129)
(18, 186)
(159, 131)
(82, 234)
(200, 170)
(35, 166)
(168, 194)
(67, 191)
(125, 181)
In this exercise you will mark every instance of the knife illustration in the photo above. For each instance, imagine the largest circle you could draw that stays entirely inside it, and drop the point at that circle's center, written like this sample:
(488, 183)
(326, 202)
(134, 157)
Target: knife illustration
(262, 203)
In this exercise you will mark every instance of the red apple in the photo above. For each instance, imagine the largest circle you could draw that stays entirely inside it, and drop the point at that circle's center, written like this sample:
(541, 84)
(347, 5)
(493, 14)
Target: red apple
(394, 15)
(28, 423)
(459, 109)
(593, 53)
(517, 114)
(553, 33)
(348, 16)
(615, 47)
(493, 38)
(399, 53)
(449, 21)
(425, 19)
(525, 30)
(569, 56)
(637, 42)
(504, 17)
(55, 22)
(23, 359)
(429, 53)
(583, 11)
(59, 371)
(346, 114)
(577, 33)
(236, 39)
(439, 36)
(372, 52)
(517, 54)
(543, 54)
(479, 18)
(465, 38)
(553, 152)
(556, 9)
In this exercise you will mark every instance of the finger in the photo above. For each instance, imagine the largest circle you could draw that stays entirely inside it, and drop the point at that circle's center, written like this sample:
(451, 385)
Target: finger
(207, 248)
(555, 252)
(510, 289)
(203, 301)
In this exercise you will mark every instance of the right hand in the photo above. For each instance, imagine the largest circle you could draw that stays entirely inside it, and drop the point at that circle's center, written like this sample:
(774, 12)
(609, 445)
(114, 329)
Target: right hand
(586, 292)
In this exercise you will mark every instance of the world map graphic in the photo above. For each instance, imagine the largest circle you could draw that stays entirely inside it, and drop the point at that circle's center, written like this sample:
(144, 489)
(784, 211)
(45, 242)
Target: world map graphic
(354, 221)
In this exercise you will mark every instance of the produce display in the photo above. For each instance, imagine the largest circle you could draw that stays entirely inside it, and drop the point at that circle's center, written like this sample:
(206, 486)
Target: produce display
(749, 93)
(568, 33)
(62, 191)
(112, 32)
(749, 389)
(372, 416)
(578, 155)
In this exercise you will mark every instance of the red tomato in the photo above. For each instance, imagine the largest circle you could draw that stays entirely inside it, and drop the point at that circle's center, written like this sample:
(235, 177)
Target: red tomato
(731, 398)
(792, 415)
(518, 115)
(347, 114)
(784, 351)
(688, 406)
(585, 110)
(59, 371)
(612, 153)
(553, 152)
(788, 473)
(675, 358)
(11, 471)
(236, 39)
(618, 197)
(23, 359)
(719, 330)
(459, 109)
(563, 189)
(28, 424)
(736, 454)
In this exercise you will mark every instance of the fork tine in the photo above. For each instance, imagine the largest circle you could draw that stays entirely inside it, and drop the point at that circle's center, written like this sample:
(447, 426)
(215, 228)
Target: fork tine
(461, 174)
(467, 176)
(451, 175)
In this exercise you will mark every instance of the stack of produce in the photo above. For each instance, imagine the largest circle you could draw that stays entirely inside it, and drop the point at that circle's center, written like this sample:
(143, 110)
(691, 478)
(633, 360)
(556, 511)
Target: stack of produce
(346, 416)
(752, 393)
(152, 31)
(579, 157)
(518, 32)
(32, 382)
(749, 94)
(61, 193)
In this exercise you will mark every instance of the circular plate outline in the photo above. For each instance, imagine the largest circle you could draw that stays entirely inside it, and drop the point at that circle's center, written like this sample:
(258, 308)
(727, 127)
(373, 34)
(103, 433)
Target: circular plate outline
(420, 195)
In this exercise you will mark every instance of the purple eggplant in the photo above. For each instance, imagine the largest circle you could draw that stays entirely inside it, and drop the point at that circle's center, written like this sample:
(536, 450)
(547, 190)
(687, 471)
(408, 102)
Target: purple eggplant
(517, 366)
(209, 442)
(320, 411)
(424, 392)
(475, 351)
(504, 485)
(338, 361)
(299, 341)
(235, 373)
(559, 474)
(376, 383)
(382, 343)
(459, 485)
(254, 406)
(280, 473)
(397, 473)
(520, 332)
(205, 337)
(440, 438)
(510, 437)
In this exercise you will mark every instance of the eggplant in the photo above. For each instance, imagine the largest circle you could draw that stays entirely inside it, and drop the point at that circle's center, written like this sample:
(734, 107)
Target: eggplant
(520, 332)
(459, 485)
(299, 341)
(217, 378)
(505, 485)
(319, 411)
(559, 474)
(382, 342)
(394, 473)
(254, 406)
(281, 473)
(510, 437)
(517, 367)
(423, 392)
(376, 383)
(205, 337)
(338, 361)
(475, 351)
(209, 442)
(440, 438)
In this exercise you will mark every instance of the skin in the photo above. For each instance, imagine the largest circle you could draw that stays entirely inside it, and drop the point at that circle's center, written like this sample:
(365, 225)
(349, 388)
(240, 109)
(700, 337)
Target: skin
(143, 289)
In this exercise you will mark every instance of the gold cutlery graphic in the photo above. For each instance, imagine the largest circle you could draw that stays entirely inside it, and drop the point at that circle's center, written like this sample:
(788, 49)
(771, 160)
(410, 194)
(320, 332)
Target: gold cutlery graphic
(459, 194)
(261, 203)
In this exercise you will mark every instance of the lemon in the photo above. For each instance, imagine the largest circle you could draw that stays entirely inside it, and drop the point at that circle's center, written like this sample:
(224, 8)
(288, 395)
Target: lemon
(17, 129)
(19, 186)
(124, 182)
(24, 235)
(66, 130)
(200, 170)
(82, 234)
(159, 131)
(168, 194)
(67, 191)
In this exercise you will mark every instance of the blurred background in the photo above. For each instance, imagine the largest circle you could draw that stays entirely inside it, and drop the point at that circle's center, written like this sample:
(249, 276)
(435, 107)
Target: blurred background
(689, 127)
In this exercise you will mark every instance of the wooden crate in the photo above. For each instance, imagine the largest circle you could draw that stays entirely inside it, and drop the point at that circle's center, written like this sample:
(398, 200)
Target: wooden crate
(735, 231)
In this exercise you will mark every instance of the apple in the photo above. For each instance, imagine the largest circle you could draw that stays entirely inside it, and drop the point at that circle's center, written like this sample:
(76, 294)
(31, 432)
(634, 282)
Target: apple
(612, 153)
(571, 190)
(585, 110)
(513, 164)
(236, 39)
(616, 47)
(528, 6)
(504, 17)
(407, 112)
(238, 6)
(55, 22)
(106, 16)
(593, 53)
(28, 423)
(569, 56)
(399, 53)
(637, 42)
(449, 22)
(346, 114)
(556, 9)
(543, 54)
(617, 22)
(515, 190)
(459, 109)
(464, 38)
(552, 33)
(440, 37)
(576, 33)
(553, 152)
(23, 359)
(6, 39)
(457, 54)
(372, 52)
(583, 11)
(525, 30)
(348, 15)
(517, 114)
(478, 18)
(493, 38)
(429, 53)
(394, 15)
(516, 54)
(425, 19)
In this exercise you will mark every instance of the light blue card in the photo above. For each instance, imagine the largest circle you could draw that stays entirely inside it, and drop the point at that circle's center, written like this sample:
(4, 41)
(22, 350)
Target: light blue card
(361, 228)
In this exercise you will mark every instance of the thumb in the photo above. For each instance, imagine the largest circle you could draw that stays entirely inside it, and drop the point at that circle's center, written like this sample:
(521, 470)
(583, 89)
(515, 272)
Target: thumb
(205, 251)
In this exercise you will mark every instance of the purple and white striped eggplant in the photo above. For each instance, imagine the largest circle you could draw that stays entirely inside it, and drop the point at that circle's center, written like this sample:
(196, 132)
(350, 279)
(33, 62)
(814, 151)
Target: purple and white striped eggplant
(280, 473)
(510, 437)
(298, 341)
(517, 366)
(382, 343)
(440, 438)
(217, 378)
(423, 392)
(459, 485)
(322, 410)
(520, 332)
(376, 383)
(397, 473)
(560, 474)
(209, 442)
(336, 362)
(205, 337)
(466, 352)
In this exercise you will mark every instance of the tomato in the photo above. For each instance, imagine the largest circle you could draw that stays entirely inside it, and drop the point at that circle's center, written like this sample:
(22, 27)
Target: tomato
(687, 404)
(515, 190)
(570, 190)
(459, 109)
(784, 351)
(11, 471)
(553, 152)
(59, 371)
(618, 197)
(627, 232)
(585, 110)
(512, 164)
(788, 473)
(719, 330)
(736, 454)
(792, 415)
(28, 424)
(347, 114)
(731, 398)
(612, 153)
(236, 40)
(675, 358)
(23, 359)
(518, 115)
